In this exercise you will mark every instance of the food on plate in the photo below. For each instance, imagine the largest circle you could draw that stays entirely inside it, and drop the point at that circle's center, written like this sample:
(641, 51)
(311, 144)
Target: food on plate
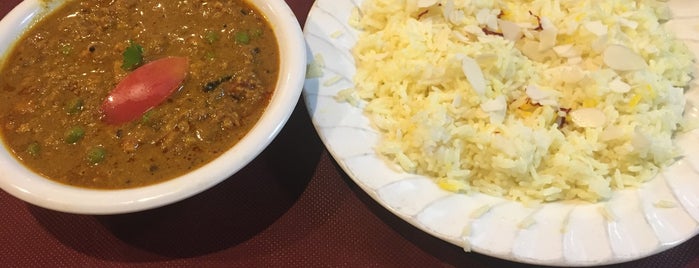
(127, 93)
(535, 101)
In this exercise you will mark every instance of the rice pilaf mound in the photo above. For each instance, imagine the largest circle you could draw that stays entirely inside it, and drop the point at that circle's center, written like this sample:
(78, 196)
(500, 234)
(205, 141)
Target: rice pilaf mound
(530, 100)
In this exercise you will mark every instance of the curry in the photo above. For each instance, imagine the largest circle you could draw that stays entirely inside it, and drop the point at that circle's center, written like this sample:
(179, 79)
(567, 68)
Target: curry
(57, 82)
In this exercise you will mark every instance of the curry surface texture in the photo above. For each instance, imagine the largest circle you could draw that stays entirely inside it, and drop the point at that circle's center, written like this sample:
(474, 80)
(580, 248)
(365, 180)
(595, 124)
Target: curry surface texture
(56, 77)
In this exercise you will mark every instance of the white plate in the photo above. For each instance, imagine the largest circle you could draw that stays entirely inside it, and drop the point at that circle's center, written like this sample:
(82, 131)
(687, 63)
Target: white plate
(627, 227)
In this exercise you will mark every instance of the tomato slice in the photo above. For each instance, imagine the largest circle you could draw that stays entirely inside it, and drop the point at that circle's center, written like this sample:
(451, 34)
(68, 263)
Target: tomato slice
(143, 89)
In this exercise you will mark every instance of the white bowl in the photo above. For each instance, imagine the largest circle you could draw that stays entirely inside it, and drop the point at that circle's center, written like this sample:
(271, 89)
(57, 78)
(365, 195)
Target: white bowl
(24, 184)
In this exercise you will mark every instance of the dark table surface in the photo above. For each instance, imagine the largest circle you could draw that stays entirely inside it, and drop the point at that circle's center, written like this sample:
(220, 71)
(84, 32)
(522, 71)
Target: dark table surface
(291, 207)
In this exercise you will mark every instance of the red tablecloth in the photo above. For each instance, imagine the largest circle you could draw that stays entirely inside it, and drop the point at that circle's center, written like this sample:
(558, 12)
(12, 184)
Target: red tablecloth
(292, 206)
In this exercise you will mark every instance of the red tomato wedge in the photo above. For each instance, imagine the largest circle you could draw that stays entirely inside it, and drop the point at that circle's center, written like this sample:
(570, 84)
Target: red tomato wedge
(143, 89)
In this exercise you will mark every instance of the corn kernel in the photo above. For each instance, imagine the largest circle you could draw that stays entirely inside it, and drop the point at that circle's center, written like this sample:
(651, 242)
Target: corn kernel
(634, 100)
(449, 185)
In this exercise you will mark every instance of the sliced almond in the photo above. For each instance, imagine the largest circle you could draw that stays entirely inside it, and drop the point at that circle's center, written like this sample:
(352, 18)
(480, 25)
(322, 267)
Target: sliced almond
(497, 104)
(572, 74)
(611, 133)
(426, 3)
(566, 51)
(474, 74)
(547, 37)
(496, 109)
(510, 30)
(588, 117)
(628, 23)
(622, 58)
(619, 86)
(539, 96)
(596, 27)
(488, 18)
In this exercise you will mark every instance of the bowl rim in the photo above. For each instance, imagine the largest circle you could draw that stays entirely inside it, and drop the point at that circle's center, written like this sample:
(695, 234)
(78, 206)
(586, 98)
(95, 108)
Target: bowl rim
(19, 181)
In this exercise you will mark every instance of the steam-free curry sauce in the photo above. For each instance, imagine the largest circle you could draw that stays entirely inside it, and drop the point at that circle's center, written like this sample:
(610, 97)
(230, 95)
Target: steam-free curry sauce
(56, 78)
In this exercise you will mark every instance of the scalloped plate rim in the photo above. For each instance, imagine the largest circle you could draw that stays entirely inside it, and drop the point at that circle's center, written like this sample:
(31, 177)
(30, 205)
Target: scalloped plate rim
(309, 98)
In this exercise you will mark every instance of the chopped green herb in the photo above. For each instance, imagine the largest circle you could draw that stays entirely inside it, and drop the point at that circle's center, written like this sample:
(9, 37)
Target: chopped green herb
(96, 155)
(34, 149)
(74, 135)
(214, 84)
(257, 32)
(211, 37)
(74, 106)
(133, 56)
(242, 38)
(146, 116)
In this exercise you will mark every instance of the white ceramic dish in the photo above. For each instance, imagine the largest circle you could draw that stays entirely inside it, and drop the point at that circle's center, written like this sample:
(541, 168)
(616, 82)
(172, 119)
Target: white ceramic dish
(30, 187)
(627, 227)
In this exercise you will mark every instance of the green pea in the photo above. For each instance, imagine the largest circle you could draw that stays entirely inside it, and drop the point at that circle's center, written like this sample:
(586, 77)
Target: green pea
(211, 37)
(34, 149)
(74, 106)
(242, 38)
(74, 135)
(96, 155)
